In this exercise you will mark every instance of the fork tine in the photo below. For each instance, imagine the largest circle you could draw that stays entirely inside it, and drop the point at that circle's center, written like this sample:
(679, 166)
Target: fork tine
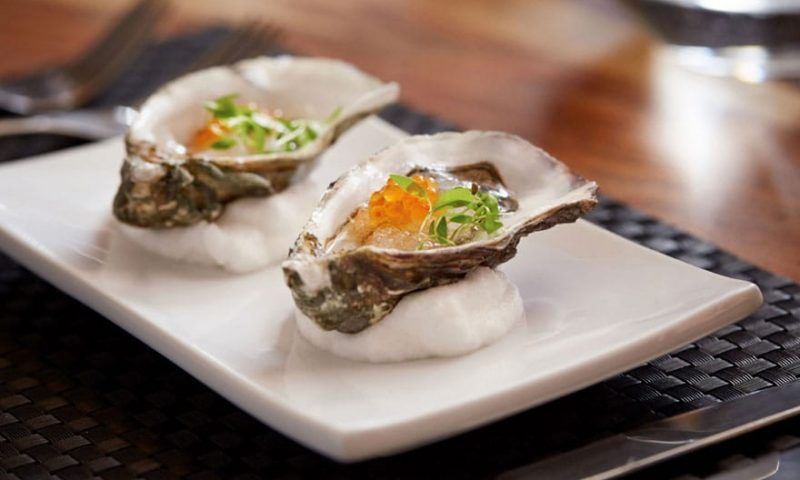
(250, 40)
(124, 42)
(72, 85)
(120, 54)
(266, 37)
(256, 37)
(223, 51)
(260, 37)
(96, 74)
(136, 24)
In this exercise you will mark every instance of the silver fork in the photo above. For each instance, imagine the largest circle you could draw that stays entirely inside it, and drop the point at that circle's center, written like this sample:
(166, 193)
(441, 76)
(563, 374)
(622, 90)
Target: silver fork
(103, 122)
(75, 84)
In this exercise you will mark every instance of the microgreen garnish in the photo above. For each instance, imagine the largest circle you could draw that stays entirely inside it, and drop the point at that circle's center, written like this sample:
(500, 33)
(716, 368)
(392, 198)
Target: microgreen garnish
(223, 144)
(259, 131)
(334, 115)
(223, 107)
(402, 181)
(408, 184)
(470, 208)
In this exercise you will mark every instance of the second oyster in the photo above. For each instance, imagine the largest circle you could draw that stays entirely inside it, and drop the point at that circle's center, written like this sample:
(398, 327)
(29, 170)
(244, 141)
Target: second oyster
(347, 280)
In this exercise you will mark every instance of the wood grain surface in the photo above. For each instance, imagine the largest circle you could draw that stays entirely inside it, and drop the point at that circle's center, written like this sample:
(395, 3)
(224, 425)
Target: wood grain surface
(715, 157)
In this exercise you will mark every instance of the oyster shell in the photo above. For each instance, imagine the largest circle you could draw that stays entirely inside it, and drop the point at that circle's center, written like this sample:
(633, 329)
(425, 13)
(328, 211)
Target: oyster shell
(347, 287)
(164, 185)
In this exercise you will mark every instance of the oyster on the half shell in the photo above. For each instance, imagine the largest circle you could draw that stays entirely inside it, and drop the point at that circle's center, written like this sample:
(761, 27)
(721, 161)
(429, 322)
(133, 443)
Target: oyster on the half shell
(348, 287)
(165, 184)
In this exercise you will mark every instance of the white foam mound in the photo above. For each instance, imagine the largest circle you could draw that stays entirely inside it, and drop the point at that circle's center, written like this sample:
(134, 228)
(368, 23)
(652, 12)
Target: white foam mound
(250, 234)
(438, 322)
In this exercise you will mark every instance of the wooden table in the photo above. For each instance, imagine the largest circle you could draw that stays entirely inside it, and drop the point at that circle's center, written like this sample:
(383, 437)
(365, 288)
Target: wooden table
(714, 157)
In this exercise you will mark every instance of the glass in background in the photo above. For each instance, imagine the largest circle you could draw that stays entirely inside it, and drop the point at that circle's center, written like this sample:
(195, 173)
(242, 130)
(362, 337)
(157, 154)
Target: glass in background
(751, 40)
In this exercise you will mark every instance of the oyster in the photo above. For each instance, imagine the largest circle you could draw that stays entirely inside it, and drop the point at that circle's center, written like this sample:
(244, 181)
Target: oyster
(347, 286)
(166, 184)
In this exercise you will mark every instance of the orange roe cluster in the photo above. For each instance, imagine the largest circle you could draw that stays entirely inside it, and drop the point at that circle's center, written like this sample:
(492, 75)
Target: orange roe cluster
(392, 206)
(202, 140)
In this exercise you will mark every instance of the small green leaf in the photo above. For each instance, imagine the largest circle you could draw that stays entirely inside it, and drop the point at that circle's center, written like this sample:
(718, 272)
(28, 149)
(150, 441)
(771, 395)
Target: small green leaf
(432, 228)
(453, 204)
(259, 137)
(454, 198)
(334, 114)
(223, 107)
(441, 230)
(287, 137)
(286, 123)
(223, 144)
(402, 181)
(491, 225)
(312, 134)
(239, 124)
(490, 201)
(461, 218)
(415, 189)
(409, 185)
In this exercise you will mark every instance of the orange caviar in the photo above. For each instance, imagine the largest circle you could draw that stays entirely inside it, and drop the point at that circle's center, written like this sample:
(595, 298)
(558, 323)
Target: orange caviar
(202, 140)
(392, 206)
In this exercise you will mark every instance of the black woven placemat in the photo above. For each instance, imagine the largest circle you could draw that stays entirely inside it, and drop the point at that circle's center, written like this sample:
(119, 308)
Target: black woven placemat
(79, 397)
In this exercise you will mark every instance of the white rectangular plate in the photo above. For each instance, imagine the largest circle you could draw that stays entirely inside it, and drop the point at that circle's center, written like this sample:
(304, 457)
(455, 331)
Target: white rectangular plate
(596, 305)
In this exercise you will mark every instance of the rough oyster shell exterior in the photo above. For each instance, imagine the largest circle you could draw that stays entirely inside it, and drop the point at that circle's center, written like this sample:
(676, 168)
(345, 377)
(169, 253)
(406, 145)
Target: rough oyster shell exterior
(352, 289)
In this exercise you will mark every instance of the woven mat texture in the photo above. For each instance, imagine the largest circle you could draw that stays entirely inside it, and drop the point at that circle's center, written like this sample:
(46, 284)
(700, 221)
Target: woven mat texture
(80, 398)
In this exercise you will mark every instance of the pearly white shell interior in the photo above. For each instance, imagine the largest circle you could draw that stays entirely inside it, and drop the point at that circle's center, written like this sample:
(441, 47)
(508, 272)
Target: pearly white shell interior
(536, 180)
(309, 88)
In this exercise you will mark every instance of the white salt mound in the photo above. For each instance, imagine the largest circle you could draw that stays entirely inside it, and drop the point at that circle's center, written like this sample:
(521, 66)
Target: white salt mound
(438, 322)
(250, 234)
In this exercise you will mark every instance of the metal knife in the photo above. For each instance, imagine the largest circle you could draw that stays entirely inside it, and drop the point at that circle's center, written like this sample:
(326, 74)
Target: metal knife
(630, 451)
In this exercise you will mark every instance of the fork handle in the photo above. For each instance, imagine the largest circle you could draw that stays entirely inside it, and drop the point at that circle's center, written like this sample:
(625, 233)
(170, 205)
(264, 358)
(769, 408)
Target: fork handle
(87, 124)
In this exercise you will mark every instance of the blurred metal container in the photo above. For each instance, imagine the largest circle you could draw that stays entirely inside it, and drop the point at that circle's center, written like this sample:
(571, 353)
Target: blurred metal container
(752, 40)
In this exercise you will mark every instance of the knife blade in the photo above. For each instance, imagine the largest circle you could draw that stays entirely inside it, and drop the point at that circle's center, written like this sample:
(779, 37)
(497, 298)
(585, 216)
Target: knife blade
(664, 439)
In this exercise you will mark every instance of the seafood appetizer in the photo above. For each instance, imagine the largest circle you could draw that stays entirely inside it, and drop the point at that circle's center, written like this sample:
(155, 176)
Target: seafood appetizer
(215, 161)
(398, 259)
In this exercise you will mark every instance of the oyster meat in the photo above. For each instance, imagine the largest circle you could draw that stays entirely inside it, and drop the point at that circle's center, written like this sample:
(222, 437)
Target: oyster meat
(166, 183)
(346, 280)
